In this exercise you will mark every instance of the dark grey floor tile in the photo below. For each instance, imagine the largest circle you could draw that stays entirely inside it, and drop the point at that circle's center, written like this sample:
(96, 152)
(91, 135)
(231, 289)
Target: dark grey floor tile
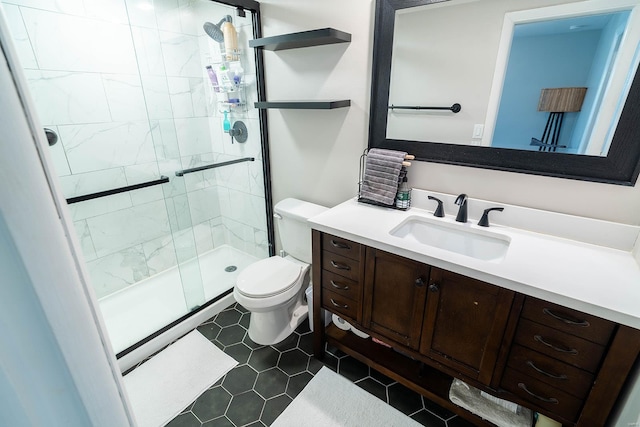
(264, 358)
(228, 318)
(297, 383)
(240, 379)
(428, 419)
(352, 369)
(211, 404)
(403, 399)
(306, 343)
(288, 343)
(373, 387)
(334, 351)
(293, 361)
(437, 409)
(330, 361)
(271, 382)
(273, 408)
(240, 352)
(245, 408)
(381, 377)
(209, 330)
(186, 419)
(231, 335)
(219, 422)
(303, 327)
(249, 342)
(245, 320)
(314, 365)
(240, 308)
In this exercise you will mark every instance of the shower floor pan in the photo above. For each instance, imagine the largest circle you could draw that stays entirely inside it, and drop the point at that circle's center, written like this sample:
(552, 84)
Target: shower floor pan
(144, 308)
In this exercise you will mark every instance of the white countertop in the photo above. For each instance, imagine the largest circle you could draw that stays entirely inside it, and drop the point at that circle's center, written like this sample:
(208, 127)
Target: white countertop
(597, 279)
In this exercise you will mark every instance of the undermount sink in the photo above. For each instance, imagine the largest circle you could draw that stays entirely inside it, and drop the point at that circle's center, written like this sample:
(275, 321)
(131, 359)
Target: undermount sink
(479, 244)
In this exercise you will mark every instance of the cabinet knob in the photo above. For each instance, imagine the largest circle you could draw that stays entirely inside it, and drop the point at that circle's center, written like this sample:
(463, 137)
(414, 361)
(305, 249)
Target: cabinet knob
(420, 282)
(433, 287)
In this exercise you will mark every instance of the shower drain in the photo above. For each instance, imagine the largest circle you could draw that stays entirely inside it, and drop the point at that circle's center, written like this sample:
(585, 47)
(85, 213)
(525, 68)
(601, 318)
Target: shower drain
(230, 268)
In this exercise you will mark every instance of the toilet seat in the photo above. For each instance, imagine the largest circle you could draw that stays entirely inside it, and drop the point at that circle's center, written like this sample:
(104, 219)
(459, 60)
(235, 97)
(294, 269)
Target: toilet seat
(268, 277)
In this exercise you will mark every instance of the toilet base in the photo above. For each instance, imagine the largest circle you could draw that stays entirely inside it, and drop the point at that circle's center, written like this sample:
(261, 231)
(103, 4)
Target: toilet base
(268, 328)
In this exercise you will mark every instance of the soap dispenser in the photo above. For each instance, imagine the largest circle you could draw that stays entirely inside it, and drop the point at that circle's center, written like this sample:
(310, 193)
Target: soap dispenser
(226, 124)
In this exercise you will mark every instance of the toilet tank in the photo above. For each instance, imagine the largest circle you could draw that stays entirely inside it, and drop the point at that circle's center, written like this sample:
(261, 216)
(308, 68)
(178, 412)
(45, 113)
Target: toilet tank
(293, 228)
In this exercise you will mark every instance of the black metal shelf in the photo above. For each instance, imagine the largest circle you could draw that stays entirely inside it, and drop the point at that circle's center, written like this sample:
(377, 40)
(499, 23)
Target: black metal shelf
(304, 105)
(310, 38)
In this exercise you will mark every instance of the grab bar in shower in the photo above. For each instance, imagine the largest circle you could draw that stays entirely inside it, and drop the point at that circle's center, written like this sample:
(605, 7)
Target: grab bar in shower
(214, 165)
(163, 179)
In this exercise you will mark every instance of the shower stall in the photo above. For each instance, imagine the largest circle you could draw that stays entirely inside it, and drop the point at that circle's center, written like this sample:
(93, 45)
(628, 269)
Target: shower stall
(162, 159)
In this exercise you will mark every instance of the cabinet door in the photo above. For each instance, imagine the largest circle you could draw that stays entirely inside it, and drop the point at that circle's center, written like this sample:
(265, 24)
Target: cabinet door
(394, 296)
(464, 323)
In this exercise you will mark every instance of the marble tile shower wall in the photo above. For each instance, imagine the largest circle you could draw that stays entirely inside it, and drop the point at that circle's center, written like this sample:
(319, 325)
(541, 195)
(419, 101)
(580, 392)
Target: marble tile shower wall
(122, 82)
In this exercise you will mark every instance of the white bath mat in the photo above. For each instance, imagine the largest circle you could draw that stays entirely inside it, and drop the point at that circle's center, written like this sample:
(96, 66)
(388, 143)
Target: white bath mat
(330, 400)
(164, 386)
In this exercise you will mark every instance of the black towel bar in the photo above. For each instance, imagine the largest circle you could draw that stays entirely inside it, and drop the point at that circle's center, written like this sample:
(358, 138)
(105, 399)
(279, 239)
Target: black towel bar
(454, 108)
(214, 165)
(113, 191)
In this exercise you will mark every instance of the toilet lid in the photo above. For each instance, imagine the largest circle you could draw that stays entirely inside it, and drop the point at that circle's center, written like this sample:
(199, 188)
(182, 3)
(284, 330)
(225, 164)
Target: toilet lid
(268, 277)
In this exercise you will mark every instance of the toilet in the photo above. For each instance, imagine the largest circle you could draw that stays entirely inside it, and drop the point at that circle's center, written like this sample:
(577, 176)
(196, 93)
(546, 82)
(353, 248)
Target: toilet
(273, 289)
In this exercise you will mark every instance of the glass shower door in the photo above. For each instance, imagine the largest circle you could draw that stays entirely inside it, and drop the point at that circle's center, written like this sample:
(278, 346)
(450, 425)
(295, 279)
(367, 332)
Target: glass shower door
(124, 86)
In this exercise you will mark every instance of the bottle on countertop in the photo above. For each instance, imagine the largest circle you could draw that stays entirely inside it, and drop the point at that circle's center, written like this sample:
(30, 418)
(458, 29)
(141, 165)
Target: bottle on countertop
(403, 197)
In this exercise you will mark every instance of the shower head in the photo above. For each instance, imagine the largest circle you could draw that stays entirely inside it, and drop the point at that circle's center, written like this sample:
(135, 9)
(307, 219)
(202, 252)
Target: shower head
(214, 31)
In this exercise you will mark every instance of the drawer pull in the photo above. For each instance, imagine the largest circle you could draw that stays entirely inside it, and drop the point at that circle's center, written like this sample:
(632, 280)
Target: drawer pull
(540, 371)
(340, 266)
(338, 305)
(544, 399)
(342, 288)
(581, 323)
(561, 350)
(339, 245)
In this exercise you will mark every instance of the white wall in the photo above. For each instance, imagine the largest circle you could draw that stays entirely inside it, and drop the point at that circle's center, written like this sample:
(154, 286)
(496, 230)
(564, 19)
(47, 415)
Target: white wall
(315, 153)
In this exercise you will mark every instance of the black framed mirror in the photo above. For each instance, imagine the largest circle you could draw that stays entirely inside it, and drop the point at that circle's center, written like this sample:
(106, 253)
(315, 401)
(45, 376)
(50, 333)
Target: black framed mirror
(620, 166)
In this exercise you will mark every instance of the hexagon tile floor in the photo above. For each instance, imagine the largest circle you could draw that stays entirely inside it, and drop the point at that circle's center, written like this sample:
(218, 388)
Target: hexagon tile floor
(268, 378)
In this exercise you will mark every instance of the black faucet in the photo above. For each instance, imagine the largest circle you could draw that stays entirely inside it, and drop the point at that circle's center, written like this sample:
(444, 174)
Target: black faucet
(484, 221)
(462, 211)
(439, 212)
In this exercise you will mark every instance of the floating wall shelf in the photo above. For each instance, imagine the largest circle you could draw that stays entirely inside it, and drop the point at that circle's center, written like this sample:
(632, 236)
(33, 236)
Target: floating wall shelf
(304, 105)
(302, 39)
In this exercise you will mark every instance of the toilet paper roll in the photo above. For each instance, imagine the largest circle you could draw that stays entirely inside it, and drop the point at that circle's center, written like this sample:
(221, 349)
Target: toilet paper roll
(340, 322)
(359, 333)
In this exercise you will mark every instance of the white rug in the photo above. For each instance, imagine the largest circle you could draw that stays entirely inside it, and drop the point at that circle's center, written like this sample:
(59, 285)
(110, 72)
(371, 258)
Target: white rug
(164, 386)
(330, 400)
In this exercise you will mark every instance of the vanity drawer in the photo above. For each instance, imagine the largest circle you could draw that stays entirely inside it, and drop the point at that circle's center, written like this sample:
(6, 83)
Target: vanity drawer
(564, 319)
(340, 265)
(341, 246)
(559, 345)
(541, 395)
(341, 286)
(337, 303)
(551, 371)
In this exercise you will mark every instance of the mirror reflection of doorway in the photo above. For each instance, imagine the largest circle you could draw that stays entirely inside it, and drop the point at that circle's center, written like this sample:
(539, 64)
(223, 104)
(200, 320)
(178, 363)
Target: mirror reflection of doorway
(552, 55)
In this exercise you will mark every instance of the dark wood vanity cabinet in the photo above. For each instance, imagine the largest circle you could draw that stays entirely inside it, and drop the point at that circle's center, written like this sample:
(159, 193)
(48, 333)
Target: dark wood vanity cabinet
(464, 323)
(394, 296)
(568, 365)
